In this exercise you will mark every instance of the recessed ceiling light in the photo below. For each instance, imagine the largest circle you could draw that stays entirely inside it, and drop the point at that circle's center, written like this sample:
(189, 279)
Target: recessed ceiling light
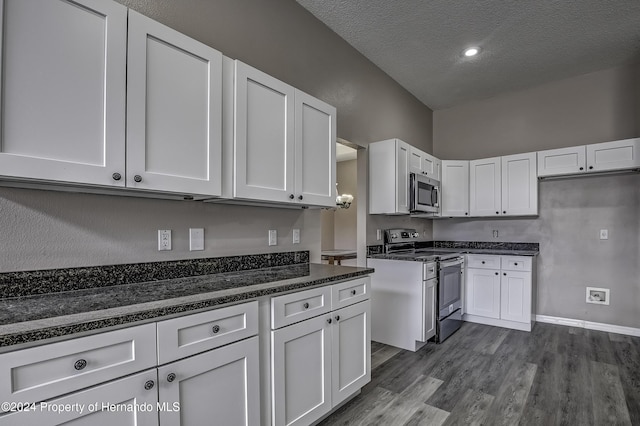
(472, 51)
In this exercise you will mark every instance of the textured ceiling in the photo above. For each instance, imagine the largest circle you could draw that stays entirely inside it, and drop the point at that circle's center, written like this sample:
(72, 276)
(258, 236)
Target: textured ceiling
(523, 43)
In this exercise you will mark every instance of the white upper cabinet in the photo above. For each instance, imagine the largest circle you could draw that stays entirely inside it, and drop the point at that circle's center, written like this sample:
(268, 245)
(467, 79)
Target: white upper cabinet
(283, 142)
(174, 111)
(616, 155)
(422, 163)
(455, 188)
(315, 136)
(389, 168)
(563, 161)
(519, 185)
(597, 157)
(485, 187)
(63, 91)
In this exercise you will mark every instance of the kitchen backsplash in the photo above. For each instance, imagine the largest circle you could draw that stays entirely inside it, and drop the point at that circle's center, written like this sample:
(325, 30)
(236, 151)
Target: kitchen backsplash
(25, 283)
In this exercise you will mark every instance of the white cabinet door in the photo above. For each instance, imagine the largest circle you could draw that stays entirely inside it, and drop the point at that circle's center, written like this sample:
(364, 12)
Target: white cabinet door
(351, 350)
(416, 158)
(63, 90)
(429, 309)
(315, 149)
(301, 371)
(455, 188)
(264, 157)
(563, 161)
(174, 111)
(222, 384)
(515, 299)
(519, 185)
(485, 187)
(402, 177)
(483, 292)
(128, 402)
(614, 155)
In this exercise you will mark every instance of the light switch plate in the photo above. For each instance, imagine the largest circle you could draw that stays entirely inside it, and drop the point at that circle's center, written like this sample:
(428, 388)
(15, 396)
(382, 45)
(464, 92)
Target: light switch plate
(196, 239)
(273, 237)
(296, 236)
(604, 234)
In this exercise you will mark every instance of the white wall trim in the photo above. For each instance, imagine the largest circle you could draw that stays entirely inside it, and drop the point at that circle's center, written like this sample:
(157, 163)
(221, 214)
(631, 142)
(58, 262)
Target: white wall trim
(611, 328)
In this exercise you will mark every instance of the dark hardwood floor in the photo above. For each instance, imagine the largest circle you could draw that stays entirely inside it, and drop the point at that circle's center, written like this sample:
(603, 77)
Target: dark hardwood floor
(485, 375)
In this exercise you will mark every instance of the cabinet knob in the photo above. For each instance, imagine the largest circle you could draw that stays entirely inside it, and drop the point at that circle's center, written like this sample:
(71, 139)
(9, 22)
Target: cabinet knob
(353, 292)
(590, 167)
(465, 213)
(483, 262)
(116, 176)
(496, 273)
(149, 384)
(215, 329)
(171, 377)
(291, 196)
(581, 168)
(504, 212)
(337, 317)
(515, 263)
(497, 212)
(80, 364)
(329, 320)
(137, 178)
(306, 305)
(300, 197)
(504, 273)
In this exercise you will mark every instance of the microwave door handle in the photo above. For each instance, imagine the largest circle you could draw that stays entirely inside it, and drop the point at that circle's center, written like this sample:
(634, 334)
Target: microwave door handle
(434, 196)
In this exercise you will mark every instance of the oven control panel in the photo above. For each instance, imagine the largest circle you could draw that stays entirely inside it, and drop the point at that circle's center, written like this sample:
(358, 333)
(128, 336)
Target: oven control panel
(401, 235)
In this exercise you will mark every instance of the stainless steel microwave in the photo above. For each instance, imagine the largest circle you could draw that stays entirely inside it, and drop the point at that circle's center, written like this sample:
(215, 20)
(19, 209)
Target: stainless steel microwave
(424, 195)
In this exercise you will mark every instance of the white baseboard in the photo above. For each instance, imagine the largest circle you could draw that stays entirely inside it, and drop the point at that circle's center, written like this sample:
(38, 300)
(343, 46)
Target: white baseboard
(611, 328)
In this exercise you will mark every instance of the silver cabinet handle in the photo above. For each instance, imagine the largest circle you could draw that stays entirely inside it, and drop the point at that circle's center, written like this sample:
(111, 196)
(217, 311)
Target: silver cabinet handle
(171, 377)
(215, 329)
(149, 384)
(137, 178)
(329, 320)
(80, 364)
(337, 317)
(353, 292)
(116, 176)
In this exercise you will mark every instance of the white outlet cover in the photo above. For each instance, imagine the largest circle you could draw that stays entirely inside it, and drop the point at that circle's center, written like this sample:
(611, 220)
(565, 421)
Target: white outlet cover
(296, 236)
(164, 239)
(604, 234)
(273, 237)
(196, 239)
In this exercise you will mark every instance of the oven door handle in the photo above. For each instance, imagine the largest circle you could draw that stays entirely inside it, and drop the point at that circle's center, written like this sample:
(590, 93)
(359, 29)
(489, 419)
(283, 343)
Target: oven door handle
(454, 262)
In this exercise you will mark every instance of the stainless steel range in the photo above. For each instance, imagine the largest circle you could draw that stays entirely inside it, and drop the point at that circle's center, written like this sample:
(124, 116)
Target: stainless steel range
(416, 292)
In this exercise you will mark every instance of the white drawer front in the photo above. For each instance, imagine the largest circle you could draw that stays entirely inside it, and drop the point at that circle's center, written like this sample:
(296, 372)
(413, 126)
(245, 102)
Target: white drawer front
(294, 307)
(46, 371)
(185, 336)
(516, 263)
(349, 292)
(483, 261)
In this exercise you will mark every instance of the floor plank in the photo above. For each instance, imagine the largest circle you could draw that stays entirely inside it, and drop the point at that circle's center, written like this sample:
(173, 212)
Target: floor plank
(609, 406)
(471, 410)
(513, 395)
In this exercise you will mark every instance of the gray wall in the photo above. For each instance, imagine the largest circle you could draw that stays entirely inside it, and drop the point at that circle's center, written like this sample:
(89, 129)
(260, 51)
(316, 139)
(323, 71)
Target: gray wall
(44, 229)
(593, 108)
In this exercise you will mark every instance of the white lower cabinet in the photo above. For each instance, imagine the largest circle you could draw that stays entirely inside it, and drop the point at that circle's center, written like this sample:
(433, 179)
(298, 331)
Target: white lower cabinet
(500, 296)
(221, 384)
(318, 363)
(104, 405)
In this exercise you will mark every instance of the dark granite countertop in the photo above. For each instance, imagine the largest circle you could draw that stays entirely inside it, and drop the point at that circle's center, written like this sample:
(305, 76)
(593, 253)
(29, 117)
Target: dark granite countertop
(34, 317)
(464, 247)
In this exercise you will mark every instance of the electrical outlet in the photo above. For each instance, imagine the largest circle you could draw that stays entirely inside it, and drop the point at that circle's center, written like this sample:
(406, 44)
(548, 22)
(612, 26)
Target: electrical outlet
(196, 239)
(604, 234)
(273, 237)
(164, 239)
(296, 236)
(495, 233)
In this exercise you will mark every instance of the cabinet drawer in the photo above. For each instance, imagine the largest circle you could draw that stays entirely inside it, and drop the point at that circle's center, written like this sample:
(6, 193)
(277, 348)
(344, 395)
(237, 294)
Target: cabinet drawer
(482, 261)
(192, 334)
(50, 370)
(516, 263)
(299, 306)
(349, 292)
